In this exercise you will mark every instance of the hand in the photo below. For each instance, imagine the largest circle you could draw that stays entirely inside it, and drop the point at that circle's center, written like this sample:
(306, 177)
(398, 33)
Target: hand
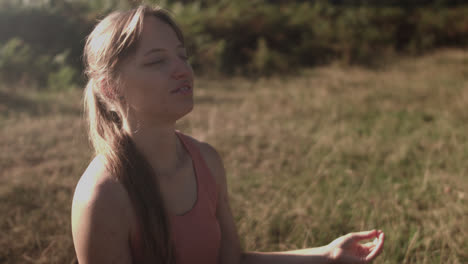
(348, 250)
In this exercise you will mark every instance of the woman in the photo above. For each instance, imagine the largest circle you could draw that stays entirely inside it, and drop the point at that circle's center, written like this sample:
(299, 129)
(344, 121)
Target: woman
(153, 194)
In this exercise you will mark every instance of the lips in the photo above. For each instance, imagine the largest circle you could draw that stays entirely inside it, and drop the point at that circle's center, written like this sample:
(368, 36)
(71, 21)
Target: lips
(185, 87)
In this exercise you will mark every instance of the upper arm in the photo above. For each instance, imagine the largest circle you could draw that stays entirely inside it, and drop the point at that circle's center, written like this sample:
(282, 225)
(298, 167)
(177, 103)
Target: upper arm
(100, 222)
(230, 245)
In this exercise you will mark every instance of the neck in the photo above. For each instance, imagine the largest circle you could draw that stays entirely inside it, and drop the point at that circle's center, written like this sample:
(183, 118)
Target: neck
(159, 145)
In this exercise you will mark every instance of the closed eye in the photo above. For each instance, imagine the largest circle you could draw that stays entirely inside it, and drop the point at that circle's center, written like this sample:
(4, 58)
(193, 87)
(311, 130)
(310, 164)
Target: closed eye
(154, 62)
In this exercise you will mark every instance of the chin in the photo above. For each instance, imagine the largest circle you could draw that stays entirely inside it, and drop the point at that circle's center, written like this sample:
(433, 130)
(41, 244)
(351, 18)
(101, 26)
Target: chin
(184, 111)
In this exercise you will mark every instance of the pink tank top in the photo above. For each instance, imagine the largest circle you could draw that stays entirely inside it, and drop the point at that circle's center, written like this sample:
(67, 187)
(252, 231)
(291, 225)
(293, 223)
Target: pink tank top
(196, 234)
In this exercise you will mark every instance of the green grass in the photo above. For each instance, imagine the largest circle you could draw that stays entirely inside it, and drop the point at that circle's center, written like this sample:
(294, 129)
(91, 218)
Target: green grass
(308, 158)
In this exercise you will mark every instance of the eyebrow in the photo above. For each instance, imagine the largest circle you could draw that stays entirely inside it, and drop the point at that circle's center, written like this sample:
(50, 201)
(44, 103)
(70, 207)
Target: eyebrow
(180, 46)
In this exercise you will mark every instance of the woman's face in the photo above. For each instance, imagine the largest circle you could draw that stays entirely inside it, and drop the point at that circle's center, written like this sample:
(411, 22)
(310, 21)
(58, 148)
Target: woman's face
(158, 80)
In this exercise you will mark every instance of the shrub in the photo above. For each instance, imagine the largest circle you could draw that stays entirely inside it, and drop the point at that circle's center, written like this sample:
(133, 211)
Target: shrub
(62, 79)
(242, 36)
(19, 63)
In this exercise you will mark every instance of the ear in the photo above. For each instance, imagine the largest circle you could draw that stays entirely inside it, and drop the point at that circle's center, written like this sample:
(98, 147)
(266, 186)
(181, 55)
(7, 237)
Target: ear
(106, 89)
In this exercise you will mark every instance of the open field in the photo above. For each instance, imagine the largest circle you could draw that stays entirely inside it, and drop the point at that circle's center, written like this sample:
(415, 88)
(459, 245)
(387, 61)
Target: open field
(308, 158)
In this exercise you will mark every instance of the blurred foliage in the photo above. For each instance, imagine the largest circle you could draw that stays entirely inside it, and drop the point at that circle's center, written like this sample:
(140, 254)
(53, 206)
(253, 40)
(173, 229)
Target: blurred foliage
(247, 37)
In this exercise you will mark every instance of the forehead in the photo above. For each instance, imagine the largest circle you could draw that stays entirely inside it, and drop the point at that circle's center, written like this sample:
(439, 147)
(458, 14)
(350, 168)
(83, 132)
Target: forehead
(157, 34)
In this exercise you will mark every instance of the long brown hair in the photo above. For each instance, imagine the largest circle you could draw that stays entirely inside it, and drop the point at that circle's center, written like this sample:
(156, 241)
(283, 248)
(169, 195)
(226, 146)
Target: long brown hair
(112, 40)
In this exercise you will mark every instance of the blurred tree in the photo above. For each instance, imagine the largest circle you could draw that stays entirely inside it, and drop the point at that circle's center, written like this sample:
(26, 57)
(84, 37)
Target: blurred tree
(109, 5)
(242, 36)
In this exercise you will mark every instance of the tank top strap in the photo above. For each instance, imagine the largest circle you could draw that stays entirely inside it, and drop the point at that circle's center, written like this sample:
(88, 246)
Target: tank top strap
(203, 173)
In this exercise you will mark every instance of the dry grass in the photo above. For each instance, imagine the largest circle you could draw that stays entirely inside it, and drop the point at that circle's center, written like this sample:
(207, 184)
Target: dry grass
(309, 158)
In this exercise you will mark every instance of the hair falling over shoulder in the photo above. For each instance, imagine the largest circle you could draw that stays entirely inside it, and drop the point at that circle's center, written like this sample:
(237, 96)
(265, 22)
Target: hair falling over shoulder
(113, 39)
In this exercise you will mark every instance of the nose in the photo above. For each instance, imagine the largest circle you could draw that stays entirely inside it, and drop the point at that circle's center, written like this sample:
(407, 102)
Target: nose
(182, 69)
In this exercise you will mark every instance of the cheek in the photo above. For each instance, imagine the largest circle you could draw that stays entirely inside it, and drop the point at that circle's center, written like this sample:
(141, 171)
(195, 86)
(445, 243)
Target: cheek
(147, 91)
(151, 81)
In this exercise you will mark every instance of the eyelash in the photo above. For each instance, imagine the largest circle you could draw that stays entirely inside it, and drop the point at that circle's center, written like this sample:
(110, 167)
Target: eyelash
(155, 62)
(184, 57)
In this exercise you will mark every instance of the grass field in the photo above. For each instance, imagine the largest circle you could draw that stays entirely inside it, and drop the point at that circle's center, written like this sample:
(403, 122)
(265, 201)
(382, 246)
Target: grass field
(308, 158)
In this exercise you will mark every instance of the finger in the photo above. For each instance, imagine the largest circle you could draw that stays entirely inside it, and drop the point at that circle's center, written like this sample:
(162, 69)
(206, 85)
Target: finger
(369, 245)
(379, 232)
(364, 235)
(378, 248)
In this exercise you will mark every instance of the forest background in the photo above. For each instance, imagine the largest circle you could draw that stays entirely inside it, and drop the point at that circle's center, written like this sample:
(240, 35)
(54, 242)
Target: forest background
(42, 40)
(331, 117)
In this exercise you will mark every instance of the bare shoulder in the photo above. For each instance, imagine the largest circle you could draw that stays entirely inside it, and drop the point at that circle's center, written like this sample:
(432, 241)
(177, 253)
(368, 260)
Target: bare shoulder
(97, 185)
(101, 217)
